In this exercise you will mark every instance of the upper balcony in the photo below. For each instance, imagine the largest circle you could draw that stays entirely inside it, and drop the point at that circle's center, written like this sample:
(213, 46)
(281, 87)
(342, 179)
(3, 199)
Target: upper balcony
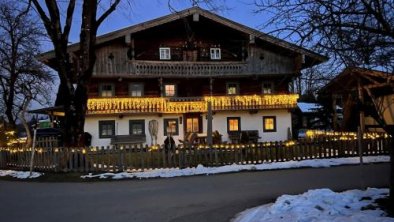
(142, 68)
(190, 104)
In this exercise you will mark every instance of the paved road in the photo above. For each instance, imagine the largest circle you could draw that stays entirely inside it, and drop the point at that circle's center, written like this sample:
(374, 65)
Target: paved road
(198, 198)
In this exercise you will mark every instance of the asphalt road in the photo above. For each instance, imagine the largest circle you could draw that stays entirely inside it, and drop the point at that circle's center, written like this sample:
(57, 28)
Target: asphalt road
(198, 198)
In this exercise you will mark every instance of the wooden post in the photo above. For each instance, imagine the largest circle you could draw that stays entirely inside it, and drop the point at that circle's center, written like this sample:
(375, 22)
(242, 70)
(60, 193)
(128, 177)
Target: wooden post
(335, 116)
(361, 128)
(209, 124)
(32, 152)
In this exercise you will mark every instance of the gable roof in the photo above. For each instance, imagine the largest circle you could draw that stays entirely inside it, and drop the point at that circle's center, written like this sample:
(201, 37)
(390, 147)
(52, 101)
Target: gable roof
(346, 81)
(187, 12)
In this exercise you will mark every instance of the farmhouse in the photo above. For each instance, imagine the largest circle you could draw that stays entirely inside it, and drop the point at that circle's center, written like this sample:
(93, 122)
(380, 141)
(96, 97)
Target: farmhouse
(191, 72)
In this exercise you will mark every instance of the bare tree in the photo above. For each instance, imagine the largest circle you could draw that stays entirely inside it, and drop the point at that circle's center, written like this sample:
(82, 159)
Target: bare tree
(58, 25)
(19, 45)
(352, 32)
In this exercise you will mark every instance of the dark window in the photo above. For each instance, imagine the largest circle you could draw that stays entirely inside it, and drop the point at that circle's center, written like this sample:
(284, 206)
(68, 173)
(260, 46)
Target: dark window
(107, 90)
(215, 53)
(106, 128)
(171, 126)
(165, 53)
(233, 124)
(137, 127)
(269, 123)
(136, 89)
(268, 87)
(232, 88)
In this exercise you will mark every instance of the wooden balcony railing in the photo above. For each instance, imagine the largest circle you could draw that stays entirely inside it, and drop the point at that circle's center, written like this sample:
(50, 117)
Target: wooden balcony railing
(186, 105)
(171, 68)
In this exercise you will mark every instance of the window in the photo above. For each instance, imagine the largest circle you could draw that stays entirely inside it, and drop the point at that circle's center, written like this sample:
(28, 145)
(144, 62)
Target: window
(169, 90)
(268, 87)
(215, 53)
(107, 90)
(232, 88)
(171, 127)
(137, 127)
(269, 123)
(165, 53)
(233, 124)
(106, 128)
(192, 125)
(136, 89)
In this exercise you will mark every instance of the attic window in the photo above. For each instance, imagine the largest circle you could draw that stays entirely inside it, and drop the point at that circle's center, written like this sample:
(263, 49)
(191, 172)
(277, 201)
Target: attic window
(165, 53)
(215, 53)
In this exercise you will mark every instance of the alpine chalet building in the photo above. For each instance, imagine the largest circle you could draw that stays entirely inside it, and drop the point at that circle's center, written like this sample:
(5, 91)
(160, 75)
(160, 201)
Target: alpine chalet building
(162, 77)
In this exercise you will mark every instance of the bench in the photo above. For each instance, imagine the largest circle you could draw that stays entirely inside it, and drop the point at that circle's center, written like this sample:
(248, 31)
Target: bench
(128, 139)
(250, 136)
(235, 137)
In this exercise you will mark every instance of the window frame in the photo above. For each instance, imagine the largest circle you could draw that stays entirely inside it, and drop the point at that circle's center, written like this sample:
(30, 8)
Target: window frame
(105, 122)
(136, 121)
(136, 83)
(165, 49)
(267, 82)
(175, 89)
(101, 85)
(239, 124)
(237, 88)
(274, 122)
(215, 53)
(165, 123)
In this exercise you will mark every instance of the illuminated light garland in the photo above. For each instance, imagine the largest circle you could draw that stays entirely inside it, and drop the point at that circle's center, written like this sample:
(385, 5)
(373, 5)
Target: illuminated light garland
(310, 134)
(164, 105)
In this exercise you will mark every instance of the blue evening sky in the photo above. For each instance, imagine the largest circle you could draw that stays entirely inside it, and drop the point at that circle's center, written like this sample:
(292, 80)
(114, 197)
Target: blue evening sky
(137, 11)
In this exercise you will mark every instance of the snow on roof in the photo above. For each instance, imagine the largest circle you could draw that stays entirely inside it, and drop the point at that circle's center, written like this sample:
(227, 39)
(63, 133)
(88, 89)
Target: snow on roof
(309, 107)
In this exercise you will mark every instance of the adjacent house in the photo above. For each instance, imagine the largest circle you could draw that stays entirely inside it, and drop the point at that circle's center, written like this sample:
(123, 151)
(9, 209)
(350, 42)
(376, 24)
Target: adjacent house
(364, 94)
(166, 76)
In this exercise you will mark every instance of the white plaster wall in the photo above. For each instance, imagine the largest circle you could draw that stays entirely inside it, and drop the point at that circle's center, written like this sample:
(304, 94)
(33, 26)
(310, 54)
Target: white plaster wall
(219, 122)
(253, 122)
(122, 127)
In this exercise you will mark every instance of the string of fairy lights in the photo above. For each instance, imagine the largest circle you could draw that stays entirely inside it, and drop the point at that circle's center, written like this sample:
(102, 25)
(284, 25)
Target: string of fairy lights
(165, 105)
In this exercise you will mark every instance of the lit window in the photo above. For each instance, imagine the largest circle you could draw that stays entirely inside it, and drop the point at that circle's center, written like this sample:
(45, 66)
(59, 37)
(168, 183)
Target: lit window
(269, 124)
(215, 53)
(268, 87)
(170, 127)
(192, 125)
(232, 88)
(136, 89)
(107, 90)
(165, 53)
(169, 90)
(233, 124)
(137, 127)
(106, 128)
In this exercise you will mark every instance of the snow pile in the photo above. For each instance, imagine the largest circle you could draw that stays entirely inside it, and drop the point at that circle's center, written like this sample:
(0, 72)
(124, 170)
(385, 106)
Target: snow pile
(19, 174)
(201, 170)
(321, 205)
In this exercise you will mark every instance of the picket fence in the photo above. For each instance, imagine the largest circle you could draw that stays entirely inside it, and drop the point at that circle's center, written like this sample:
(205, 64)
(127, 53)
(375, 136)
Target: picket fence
(139, 157)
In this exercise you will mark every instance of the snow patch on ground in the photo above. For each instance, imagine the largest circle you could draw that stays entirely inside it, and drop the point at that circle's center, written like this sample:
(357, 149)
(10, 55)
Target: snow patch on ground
(201, 170)
(19, 174)
(320, 205)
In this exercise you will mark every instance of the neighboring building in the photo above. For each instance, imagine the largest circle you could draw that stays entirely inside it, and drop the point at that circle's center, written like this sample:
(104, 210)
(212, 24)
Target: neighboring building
(356, 90)
(158, 77)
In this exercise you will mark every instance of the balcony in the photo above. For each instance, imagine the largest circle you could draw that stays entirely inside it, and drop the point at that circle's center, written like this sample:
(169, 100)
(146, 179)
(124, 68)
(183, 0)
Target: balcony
(190, 104)
(171, 69)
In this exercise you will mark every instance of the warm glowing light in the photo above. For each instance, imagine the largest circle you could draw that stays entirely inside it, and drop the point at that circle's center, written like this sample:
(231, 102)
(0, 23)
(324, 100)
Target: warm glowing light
(166, 105)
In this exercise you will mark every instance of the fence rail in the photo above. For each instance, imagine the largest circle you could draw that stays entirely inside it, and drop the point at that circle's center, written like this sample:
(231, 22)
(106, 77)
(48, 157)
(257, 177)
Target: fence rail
(139, 157)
